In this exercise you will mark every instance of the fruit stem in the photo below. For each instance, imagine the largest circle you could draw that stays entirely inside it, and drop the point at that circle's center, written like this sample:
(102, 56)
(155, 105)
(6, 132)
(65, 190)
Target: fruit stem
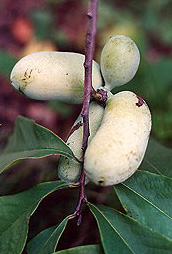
(90, 46)
(100, 96)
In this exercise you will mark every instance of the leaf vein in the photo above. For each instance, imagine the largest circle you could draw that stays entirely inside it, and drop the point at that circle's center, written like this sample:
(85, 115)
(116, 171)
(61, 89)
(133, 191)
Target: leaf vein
(30, 207)
(147, 201)
(115, 229)
(154, 167)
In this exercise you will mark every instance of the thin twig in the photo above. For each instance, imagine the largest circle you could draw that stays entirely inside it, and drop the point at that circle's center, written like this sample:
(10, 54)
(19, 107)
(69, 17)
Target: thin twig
(90, 46)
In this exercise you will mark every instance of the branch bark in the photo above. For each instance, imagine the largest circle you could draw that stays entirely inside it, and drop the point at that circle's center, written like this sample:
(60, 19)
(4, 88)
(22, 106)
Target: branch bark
(90, 46)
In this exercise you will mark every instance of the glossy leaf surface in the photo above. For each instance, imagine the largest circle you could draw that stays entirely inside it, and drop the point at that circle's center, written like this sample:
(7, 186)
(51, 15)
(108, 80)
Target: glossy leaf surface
(122, 234)
(147, 197)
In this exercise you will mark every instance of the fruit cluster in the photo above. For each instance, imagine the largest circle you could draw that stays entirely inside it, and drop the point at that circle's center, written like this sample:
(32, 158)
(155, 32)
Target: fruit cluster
(119, 132)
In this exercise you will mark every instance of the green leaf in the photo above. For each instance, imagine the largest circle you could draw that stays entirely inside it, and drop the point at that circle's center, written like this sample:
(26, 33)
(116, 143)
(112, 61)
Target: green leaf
(7, 62)
(15, 212)
(42, 20)
(46, 241)
(158, 159)
(88, 249)
(122, 234)
(147, 198)
(31, 140)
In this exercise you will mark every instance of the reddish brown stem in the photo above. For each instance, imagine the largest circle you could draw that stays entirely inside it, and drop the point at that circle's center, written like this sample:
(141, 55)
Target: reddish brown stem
(90, 46)
(82, 197)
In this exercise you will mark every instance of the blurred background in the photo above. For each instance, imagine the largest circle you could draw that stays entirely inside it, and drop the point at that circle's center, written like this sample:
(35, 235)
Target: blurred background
(37, 25)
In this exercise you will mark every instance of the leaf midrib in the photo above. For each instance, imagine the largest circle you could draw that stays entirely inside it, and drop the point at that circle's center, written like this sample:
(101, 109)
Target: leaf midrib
(114, 229)
(147, 201)
(34, 150)
(154, 167)
(23, 213)
(54, 233)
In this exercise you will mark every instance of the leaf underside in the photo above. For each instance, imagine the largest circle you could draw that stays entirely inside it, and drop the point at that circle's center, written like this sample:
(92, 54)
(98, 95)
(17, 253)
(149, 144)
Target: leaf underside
(31, 140)
(46, 241)
(15, 212)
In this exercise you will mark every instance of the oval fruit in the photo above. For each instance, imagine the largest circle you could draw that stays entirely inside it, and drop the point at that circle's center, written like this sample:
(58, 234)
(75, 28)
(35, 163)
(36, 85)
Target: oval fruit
(53, 75)
(69, 170)
(119, 145)
(119, 62)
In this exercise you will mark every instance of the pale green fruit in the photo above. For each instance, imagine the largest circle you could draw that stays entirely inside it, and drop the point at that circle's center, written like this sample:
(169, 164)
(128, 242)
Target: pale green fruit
(119, 62)
(118, 147)
(69, 170)
(51, 75)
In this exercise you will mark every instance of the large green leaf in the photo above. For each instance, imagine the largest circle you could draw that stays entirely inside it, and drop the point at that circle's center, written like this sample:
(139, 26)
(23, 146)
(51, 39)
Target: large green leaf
(15, 212)
(46, 241)
(122, 234)
(88, 249)
(158, 159)
(31, 140)
(147, 197)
